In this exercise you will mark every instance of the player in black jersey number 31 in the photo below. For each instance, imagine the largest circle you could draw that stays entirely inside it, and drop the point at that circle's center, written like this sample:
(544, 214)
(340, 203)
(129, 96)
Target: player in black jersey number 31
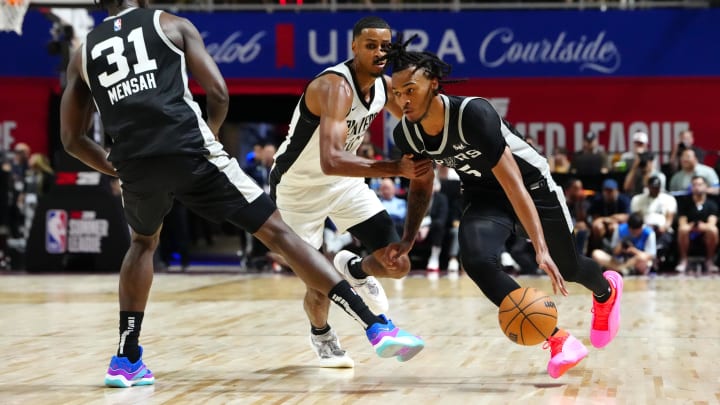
(133, 68)
(507, 185)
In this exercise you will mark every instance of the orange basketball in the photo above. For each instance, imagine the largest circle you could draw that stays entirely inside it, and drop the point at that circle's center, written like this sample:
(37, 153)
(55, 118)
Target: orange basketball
(527, 316)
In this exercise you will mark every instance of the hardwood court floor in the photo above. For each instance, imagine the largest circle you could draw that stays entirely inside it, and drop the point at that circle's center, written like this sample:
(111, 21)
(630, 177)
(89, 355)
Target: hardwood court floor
(226, 338)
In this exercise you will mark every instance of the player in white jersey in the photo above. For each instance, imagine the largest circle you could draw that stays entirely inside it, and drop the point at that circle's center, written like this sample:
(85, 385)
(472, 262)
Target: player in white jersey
(317, 175)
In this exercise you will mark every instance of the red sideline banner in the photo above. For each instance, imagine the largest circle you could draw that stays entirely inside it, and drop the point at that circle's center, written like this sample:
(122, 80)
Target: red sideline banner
(558, 112)
(24, 110)
(555, 112)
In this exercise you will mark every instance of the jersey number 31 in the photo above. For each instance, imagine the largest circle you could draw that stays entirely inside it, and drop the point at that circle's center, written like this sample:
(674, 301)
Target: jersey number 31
(116, 57)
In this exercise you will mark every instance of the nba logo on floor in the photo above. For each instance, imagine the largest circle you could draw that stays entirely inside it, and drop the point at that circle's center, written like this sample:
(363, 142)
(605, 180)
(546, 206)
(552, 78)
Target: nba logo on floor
(56, 231)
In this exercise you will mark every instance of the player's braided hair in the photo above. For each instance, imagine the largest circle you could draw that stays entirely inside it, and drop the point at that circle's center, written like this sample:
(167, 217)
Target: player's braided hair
(399, 59)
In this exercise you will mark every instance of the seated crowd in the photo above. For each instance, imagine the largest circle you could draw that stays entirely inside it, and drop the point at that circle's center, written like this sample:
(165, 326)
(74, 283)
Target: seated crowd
(629, 212)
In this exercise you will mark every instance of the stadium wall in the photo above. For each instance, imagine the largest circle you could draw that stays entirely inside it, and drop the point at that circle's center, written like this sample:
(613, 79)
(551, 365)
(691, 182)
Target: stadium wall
(556, 73)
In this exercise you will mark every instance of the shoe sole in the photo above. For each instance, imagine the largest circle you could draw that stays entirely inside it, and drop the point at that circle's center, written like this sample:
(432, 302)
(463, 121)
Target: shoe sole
(120, 381)
(403, 349)
(557, 372)
(332, 362)
(409, 352)
(564, 368)
(337, 362)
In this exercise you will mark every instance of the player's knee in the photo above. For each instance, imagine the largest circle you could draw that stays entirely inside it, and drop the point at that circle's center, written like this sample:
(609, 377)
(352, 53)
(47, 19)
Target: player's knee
(482, 264)
(146, 243)
(314, 298)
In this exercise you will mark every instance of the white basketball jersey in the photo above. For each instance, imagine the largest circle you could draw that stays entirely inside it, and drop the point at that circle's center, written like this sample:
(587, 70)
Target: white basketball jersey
(297, 161)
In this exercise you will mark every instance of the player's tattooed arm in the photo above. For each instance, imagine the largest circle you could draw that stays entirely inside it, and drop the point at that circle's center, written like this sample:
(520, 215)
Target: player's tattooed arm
(419, 196)
(418, 201)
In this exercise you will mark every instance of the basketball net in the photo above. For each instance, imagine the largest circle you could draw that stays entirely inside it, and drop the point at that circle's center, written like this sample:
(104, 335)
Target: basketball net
(12, 13)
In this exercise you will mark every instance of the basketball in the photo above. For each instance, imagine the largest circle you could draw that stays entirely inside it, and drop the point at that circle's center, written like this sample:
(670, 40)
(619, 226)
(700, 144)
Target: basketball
(527, 316)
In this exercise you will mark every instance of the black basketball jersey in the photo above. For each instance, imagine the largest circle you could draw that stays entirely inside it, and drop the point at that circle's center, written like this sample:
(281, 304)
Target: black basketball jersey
(472, 141)
(138, 81)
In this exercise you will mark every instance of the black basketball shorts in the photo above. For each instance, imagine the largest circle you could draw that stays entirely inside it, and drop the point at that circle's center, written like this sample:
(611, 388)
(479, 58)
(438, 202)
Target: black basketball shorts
(213, 187)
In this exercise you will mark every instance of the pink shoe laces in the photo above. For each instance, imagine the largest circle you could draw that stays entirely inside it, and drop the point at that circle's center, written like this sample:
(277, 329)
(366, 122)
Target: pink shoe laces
(555, 343)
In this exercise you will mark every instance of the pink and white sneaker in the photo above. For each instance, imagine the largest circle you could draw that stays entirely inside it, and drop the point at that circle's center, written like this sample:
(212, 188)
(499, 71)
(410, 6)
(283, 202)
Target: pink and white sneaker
(565, 353)
(606, 315)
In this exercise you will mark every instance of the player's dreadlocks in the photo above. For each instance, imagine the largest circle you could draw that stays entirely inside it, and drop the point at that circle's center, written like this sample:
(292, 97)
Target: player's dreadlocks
(399, 59)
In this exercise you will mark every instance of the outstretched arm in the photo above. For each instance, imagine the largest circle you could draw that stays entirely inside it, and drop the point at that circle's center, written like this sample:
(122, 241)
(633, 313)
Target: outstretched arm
(330, 97)
(508, 175)
(75, 114)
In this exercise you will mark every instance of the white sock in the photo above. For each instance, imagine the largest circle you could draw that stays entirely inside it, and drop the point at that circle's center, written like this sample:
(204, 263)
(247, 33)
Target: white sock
(434, 260)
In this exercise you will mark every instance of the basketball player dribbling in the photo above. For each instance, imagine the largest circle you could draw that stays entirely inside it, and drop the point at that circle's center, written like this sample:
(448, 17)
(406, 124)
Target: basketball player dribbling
(317, 174)
(507, 188)
(133, 68)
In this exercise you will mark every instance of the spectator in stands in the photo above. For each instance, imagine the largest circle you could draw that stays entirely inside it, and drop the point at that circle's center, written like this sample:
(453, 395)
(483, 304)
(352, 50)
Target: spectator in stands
(689, 168)
(20, 161)
(259, 167)
(39, 177)
(578, 206)
(687, 141)
(18, 167)
(633, 247)
(658, 209)
(607, 211)
(396, 207)
(656, 206)
(559, 161)
(591, 159)
(697, 224)
(642, 164)
(254, 154)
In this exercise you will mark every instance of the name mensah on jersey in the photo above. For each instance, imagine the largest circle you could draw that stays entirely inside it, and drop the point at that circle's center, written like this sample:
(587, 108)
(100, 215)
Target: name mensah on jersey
(131, 86)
